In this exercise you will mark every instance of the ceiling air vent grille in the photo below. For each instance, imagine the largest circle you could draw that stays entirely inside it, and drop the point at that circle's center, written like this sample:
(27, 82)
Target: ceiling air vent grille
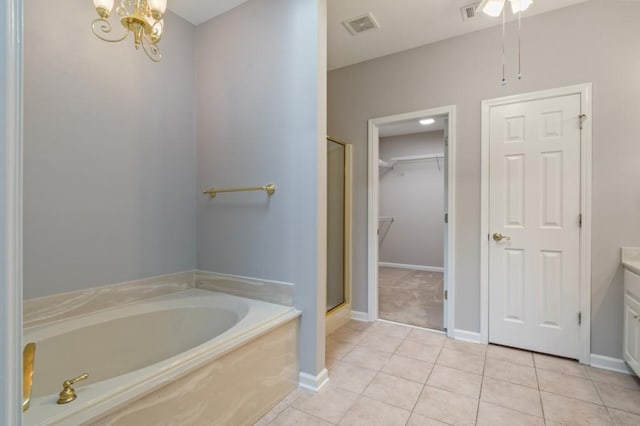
(469, 11)
(361, 23)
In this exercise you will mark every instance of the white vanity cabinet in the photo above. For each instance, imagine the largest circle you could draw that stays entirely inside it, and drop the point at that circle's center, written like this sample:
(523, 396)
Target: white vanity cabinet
(631, 338)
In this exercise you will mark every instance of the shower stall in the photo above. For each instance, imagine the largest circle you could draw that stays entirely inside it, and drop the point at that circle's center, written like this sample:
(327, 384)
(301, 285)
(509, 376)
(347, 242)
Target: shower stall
(338, 233)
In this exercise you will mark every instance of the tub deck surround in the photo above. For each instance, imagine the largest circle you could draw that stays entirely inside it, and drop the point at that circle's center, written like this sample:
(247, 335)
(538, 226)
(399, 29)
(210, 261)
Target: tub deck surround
(631, 258)
(236, 389)
(252, 288)
(117, 382)
(61, 306)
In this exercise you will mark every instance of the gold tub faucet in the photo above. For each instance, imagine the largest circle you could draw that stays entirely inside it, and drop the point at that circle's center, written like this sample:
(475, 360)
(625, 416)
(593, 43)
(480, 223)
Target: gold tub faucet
(28, 356)
(68, 394)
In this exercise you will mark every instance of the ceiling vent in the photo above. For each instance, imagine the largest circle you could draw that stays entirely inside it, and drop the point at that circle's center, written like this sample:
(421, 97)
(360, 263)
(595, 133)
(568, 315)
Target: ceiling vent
(469, 11)
(361, 23)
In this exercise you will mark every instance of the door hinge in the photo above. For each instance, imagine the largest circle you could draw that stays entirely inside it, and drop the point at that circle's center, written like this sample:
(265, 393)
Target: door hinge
(446, 295)
(579, 318)
(446, 218)
(580, 220)
(582, 118)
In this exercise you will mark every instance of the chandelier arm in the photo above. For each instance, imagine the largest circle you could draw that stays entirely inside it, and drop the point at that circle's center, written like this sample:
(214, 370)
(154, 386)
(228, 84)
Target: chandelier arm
(101, 26)
(151, 49)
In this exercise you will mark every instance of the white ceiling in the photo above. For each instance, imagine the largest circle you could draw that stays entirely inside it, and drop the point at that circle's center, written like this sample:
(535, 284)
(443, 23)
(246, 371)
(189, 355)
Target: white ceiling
(199, 11)
(404, 24)
(410, 127)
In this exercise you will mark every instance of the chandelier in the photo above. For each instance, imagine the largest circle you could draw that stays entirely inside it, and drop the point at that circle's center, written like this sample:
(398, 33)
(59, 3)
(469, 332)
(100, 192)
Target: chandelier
(143, 18)
(495, 8)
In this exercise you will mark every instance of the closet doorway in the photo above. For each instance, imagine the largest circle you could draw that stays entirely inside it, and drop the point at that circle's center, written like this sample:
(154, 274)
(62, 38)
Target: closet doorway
(410, 207)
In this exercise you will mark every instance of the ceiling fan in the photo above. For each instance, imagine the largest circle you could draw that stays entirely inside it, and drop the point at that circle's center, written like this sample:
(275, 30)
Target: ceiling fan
(494, 7)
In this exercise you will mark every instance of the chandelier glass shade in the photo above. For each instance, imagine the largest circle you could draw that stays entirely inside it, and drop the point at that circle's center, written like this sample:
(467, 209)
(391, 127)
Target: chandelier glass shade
(142, 18)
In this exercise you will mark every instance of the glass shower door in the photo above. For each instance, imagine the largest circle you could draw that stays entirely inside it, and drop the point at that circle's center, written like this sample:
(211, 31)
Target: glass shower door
(336, 164)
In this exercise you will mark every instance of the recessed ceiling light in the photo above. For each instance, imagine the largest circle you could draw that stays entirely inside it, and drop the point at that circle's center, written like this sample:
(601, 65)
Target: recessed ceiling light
(427, 121)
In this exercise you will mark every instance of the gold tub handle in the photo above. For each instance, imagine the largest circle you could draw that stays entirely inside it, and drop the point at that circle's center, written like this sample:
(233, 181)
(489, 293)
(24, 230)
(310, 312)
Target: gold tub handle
(68, 394)
(28, 357)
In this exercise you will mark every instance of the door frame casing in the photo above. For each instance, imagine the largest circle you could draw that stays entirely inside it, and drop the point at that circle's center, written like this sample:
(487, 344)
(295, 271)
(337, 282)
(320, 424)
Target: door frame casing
(585, 92)
(373, 197)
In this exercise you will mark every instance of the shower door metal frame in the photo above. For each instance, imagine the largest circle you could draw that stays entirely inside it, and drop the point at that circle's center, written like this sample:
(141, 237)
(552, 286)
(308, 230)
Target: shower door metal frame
(346, 306)
(373, 195)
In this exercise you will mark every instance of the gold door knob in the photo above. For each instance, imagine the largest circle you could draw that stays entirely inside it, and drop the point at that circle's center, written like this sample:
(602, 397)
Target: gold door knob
(68, 394)
(636, 317)
(499, 237)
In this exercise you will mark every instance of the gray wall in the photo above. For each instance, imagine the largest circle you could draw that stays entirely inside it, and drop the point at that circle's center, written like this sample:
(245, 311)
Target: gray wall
(413, 193)
(257, 77)
(109, 141)
(594, 42)
(10, 312)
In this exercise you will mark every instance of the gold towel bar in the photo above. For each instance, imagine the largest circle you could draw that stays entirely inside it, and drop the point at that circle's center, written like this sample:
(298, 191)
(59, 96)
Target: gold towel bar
(269, 188)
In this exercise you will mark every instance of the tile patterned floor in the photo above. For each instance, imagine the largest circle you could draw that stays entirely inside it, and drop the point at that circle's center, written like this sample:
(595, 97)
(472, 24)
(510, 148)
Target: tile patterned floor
(386, 374)
(411, 297)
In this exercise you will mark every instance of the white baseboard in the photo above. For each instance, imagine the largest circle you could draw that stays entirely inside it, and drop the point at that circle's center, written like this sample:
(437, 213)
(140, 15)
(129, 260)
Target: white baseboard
(413, 267)
(467, 336)
(313, 383)
(359, 316)
(609, 363)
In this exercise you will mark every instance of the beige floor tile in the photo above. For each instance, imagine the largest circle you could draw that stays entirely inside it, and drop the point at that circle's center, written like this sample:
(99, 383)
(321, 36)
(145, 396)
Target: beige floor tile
(351, 377)
(621, 398)
(337, 349)
(510, 372)
(415, 350)
(408, 368)
(367, 358)
(420, 420)
(293, 417)
(465, 361)
(369, 412)
(571, 386)
(346, 334)
(565, 410)
(515, 356)
(376, 340)
(293, 395)
(394, 390)
(455, 381)
(330, 404)
(272, 414)
(622, 418)
(447, 407)
(516, 397)
(358, 325)
(330, 361)
(470, 347)
(560, 365)
(392, 330)
(427, 337)
(613, 378)
(494, 415)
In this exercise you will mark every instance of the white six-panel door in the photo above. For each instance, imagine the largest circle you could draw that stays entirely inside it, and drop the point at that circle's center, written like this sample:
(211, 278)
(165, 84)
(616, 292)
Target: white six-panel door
(534, 204)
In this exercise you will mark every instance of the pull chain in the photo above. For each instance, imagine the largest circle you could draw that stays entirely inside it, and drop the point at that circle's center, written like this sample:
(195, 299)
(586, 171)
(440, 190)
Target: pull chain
(520, 44)
(504, 37)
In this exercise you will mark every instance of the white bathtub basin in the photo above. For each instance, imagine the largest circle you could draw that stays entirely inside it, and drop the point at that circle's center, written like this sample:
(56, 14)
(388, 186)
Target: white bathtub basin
(131, 350)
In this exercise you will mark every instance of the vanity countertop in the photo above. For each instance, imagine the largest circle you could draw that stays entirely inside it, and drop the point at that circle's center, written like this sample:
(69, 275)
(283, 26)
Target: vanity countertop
(631, 258)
